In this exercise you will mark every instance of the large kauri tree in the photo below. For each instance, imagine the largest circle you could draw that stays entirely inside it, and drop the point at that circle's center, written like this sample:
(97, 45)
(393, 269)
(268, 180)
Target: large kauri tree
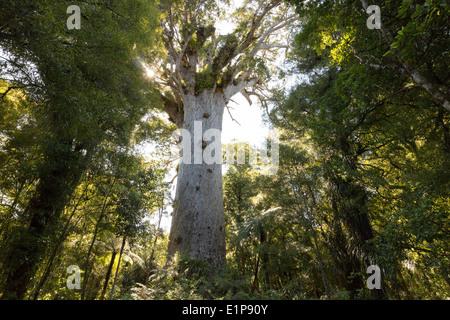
(203, 71)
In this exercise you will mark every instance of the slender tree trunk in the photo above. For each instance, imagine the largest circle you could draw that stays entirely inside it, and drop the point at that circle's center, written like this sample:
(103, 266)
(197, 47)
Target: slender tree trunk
(48, 268)
(316, 245)
(308, 217)
(59, 242)
(152, 255)
(319, 258)
(108, 274)
(86, 265)
(118, 266)
(445, 130)
(88, 257)
(264, 258)
(198, 223)
(255, 277)
(53, 192)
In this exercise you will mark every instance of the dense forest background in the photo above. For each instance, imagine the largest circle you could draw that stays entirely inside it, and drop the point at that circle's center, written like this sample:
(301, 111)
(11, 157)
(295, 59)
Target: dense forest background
(364, 155)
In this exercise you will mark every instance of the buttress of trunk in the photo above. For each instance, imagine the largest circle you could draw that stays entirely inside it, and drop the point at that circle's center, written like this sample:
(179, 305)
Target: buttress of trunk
(198, 222)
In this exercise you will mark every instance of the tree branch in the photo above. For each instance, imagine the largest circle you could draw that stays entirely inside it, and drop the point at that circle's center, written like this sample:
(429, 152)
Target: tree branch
(414, 74)
(173, 109)
(255, 25)
(233, 119)
(273, 28)
(233, 89)
(8, 90)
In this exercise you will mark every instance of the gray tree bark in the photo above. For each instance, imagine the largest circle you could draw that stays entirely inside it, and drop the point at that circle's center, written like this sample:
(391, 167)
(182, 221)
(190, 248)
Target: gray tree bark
(198, 222)
(202, 73)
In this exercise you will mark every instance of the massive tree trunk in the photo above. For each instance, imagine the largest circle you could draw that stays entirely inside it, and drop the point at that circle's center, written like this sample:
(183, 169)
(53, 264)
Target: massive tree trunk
(198, 222)
(204, 70)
